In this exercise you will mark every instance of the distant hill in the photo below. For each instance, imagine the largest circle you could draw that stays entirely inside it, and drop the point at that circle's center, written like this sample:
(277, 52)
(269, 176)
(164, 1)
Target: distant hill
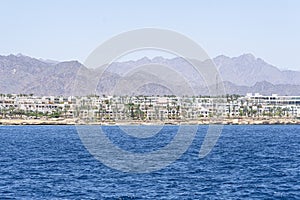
(22, 74)
(240, 75)
(248, 70)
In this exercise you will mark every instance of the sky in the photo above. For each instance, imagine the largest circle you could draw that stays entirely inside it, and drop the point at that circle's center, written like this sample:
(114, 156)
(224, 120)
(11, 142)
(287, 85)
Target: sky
(70, 30)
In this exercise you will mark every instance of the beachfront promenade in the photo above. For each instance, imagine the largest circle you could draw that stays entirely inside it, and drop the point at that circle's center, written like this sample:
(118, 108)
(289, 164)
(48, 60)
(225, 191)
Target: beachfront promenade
(229, 109)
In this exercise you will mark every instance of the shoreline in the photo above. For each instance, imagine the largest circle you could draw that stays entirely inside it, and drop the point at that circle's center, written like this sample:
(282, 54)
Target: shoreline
(233, 121)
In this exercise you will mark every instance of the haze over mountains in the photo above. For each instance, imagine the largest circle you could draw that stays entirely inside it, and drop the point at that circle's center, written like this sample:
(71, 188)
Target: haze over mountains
(240, 75)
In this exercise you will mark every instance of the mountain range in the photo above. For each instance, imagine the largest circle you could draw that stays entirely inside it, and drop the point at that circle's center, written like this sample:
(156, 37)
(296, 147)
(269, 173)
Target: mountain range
(239, 75)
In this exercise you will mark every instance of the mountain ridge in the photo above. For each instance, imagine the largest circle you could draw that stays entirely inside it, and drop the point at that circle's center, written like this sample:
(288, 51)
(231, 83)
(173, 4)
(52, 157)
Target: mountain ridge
(240, 75)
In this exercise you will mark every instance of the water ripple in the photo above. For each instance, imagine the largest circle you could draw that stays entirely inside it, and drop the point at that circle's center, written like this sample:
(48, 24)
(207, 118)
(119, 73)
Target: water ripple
(50, 162)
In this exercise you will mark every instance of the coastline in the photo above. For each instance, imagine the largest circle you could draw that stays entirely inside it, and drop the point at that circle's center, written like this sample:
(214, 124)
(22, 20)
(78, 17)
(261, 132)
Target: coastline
(232, 121)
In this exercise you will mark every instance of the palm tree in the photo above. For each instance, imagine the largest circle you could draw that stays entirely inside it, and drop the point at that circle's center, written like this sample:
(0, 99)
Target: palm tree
(177, 111)
(146, 112)
(131, 112)
(278, 111)
(285, 111)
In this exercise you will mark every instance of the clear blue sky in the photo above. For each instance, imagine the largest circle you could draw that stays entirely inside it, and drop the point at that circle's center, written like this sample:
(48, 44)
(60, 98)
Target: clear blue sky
(70, 30)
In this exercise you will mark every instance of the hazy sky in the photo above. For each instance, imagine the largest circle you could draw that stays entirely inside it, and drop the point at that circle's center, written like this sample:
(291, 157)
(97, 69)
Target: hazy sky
(70, 30)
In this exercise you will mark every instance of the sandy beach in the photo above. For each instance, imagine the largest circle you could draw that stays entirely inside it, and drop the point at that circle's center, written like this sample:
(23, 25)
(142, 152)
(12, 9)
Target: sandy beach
(231, 121)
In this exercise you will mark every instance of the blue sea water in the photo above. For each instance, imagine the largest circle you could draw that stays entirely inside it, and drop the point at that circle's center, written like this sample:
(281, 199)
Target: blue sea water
(248, 162)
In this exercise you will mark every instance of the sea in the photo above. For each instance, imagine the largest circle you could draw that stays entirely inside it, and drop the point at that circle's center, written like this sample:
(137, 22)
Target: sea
(247, 162)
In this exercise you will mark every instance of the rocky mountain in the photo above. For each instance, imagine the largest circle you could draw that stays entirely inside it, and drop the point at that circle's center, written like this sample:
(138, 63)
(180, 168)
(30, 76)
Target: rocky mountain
(248, 70)
(22, 74)
(240, 75)
(263, 87)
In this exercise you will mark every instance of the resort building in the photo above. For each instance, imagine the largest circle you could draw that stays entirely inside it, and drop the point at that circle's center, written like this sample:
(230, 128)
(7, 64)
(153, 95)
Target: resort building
(102, 108)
